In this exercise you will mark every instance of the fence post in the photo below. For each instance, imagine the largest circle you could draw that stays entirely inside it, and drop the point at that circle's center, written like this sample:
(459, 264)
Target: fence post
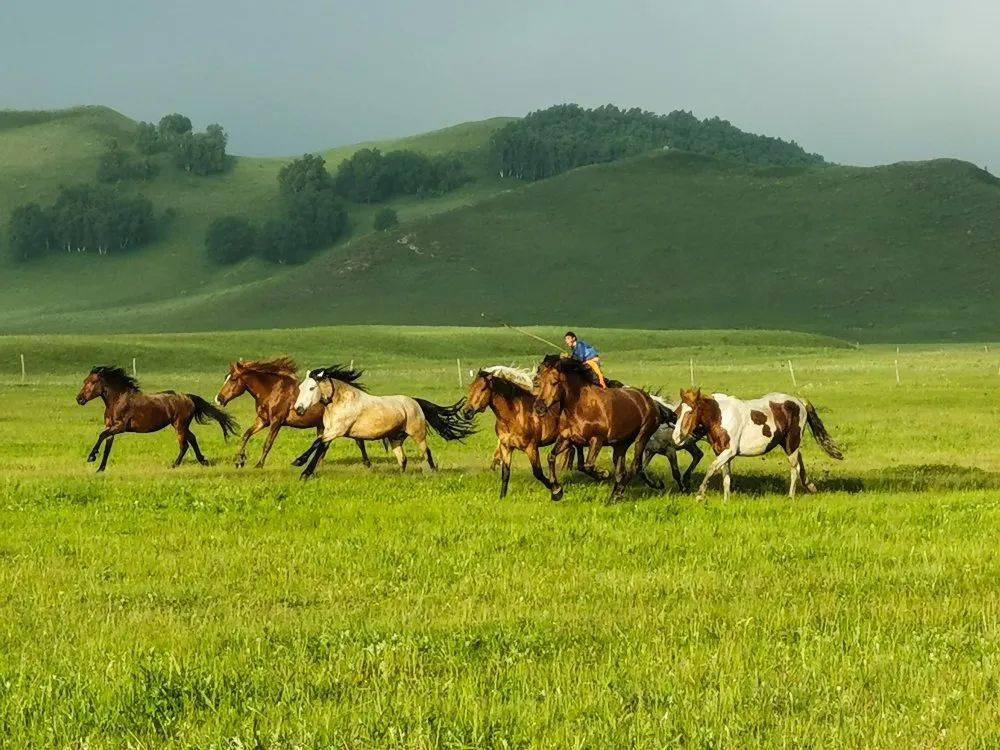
(792, 373)
(691, 365)
(896, 364)
(24, 372)
(135, 374)
(458, 363)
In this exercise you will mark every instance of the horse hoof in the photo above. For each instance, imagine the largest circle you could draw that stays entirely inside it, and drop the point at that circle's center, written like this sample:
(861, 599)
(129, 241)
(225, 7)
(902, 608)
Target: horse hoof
(812, 488)
(299, 462)
(557, 495)
(91, 458)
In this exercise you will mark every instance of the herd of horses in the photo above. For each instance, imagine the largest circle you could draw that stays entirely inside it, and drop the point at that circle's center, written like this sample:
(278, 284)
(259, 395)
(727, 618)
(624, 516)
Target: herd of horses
(559, 405)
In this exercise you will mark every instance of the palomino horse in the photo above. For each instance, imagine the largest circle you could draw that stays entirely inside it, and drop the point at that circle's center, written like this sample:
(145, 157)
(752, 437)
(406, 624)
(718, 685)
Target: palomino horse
(594, 416)
(751, 428)
(274, 385)
(662, 443)
(350, 411)
(509, 394)
(127, 409)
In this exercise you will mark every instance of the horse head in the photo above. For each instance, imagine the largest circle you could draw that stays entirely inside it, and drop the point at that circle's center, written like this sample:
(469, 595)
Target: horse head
(234, 385)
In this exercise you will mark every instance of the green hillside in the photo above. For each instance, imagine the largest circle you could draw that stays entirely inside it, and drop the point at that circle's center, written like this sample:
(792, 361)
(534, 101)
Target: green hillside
(908, 251)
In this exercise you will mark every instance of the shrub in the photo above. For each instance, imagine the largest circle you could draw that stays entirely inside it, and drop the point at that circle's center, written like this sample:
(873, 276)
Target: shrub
(385, 219)
(230, 239)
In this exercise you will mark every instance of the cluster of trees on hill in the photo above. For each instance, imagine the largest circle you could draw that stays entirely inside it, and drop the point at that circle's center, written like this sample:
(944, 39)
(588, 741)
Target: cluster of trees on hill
(82, 218)
(312, 216)
(117, 164)
(370, 176)
(200, 153)
(554, 140)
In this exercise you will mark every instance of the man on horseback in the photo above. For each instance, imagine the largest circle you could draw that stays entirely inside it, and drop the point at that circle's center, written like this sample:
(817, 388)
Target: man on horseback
(583, 352)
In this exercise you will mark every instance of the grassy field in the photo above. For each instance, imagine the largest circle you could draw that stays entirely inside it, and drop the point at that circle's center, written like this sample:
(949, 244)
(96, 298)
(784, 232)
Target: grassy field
(223, 608)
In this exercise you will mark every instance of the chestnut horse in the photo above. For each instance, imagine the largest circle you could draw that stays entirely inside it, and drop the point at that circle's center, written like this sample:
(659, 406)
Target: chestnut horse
(127, 409)
(509, 394)
(751, 428)
(595, 416)
(274, 385)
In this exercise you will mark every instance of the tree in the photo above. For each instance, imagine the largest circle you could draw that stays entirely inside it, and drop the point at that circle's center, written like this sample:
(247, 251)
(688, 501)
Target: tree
(92, 217)
(201, 153)
(117, 164)
(385, 219)
(306, 173)
(172, 126)
(230, 239)
(29, 232)
(147, 139)
(282, 241)
(319, 215)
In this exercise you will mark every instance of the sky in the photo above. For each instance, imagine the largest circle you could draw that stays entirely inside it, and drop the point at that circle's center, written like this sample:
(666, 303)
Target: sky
(860, 82)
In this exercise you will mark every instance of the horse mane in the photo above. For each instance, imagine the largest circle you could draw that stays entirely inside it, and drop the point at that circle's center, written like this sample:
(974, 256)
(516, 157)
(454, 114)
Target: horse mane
(571, 366)
(339, 372)
(116, 376)
(521, 380)
(276, 366)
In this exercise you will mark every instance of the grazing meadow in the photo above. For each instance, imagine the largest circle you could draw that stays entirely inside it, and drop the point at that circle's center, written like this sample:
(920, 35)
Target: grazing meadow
(215, 607)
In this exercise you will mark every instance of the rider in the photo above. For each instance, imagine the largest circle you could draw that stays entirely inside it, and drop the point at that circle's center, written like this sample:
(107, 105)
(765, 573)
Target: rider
(584, 352)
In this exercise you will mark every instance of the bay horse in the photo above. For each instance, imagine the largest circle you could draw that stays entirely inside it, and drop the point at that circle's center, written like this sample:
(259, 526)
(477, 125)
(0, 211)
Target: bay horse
(127, 409)
(350, 411)
(594, 416)
(509, 393)
(274, 385)
(752, 428)
(662, 443)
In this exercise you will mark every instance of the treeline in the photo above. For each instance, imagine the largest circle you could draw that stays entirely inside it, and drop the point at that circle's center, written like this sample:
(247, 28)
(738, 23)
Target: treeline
(370, 176)
(312, 216)
(200, 153)
(554, 140)
(82, 218)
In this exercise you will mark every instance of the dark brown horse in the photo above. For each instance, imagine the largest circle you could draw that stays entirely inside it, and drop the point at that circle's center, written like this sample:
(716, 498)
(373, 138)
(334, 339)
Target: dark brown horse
(127, 409)
(274, 385)
(509, 394)
(594, 416)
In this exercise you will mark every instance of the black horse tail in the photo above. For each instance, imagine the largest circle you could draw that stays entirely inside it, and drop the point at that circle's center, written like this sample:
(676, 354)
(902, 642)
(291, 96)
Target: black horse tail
(822, 436)
(204, 411)
(667, 415)
(448, 421)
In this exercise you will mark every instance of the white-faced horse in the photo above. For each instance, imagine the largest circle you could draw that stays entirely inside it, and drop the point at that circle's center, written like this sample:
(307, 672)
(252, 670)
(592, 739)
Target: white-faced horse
(751, 428)
(350, 411)
(663, 444)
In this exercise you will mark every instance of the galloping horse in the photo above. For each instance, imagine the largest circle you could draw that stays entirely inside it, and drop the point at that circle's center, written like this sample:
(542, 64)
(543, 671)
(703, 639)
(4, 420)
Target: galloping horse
(752, 428)
(350, 411)
(509, 393)
(274, 385)
(127, 409)
(588, 414)
(662, 443)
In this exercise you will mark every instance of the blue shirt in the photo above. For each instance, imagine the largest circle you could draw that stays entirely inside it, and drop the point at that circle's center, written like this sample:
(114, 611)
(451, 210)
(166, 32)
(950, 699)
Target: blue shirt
(583, 351)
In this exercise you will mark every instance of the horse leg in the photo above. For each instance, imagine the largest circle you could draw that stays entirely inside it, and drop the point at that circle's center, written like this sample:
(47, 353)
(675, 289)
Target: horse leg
(197, 451)
(365, 461)
(241, 454)
(639, 468)
(696, 455)
(425, 451)
(317, 456)
(107, 452)
(558, 448)
(504, 470)
(727, 480)
(182, 439)
(301, 460)
(497, 457)
(107, 432)
(590, 467)
(531, 451)
(399, 453)
(810, 487)
(272, 435)
(721, 460)
(675, 469)
(618, 464)
(793, 473)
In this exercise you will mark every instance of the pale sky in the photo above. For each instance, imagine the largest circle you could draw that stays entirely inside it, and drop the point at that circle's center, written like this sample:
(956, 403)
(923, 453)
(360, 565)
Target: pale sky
(861, 82)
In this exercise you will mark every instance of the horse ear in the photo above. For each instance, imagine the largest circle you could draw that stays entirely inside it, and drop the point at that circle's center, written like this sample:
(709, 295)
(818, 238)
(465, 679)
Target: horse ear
(697, 393)
(681, 392)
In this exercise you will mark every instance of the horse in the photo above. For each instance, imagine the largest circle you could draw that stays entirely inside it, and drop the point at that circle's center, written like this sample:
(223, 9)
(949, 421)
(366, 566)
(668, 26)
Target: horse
(588, 414)
(127, 409)
(509, 393)
(274, 385)
(662, 443)
(752, 428)
(350, 411)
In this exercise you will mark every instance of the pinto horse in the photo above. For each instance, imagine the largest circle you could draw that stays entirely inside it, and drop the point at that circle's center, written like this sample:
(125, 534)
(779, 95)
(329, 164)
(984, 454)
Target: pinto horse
(127, 409)
(274, 385)
(752, 428)
(509, 394)
(350, 411)
(594, 416)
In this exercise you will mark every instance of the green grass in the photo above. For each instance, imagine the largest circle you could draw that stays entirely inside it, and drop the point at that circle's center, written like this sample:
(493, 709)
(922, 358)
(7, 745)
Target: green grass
(217, 608)
(906, 252)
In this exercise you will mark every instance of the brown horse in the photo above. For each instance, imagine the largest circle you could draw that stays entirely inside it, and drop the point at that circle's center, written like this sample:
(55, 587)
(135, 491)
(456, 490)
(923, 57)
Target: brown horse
(509, 394)
(274, 385)
(595, 416)
(127, 409)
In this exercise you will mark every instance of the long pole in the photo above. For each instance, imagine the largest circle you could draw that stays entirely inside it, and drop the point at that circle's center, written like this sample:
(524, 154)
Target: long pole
(24, 372)
(520, 330)
(792, 373)
(458, 363)
(691, 365)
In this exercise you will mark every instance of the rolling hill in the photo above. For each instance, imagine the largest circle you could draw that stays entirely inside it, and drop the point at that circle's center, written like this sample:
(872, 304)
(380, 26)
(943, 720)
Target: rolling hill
(669, 240)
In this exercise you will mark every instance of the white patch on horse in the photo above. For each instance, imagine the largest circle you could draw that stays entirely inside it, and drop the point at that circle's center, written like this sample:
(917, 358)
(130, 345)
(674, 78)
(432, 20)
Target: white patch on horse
(515, 375)
(685, 410)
